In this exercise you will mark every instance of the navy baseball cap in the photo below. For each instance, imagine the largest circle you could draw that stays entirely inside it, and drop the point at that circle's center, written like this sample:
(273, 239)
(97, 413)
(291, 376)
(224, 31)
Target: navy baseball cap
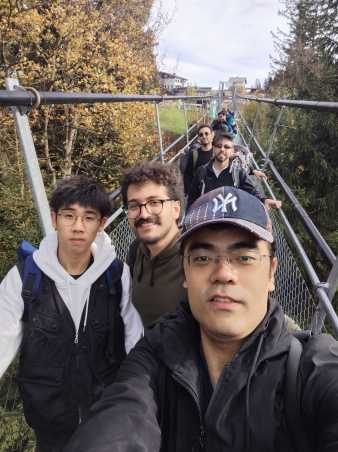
(232, 206)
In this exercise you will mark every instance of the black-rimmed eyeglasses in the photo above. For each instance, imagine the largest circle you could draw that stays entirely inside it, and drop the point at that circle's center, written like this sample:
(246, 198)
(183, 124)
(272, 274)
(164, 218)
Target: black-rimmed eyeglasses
(153, 206)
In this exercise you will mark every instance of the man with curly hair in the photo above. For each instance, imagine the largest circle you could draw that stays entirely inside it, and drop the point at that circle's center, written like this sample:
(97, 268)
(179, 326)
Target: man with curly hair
(152, 194)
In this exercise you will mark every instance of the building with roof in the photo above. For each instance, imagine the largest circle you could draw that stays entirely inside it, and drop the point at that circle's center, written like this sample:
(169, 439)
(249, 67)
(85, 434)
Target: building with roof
(171, 82)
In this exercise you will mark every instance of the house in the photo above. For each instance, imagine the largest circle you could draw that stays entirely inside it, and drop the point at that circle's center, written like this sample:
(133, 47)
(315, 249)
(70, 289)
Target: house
(171, 82)
(203, 90)
(237, 83)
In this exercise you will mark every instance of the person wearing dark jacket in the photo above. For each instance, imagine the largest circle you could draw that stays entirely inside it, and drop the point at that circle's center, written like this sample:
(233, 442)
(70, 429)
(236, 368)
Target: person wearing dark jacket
(213, 376)
(199, 154)
(220, 123)
(152, 194)
(219, 172)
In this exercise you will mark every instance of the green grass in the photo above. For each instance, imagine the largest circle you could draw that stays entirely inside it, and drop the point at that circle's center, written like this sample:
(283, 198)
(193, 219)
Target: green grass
(172, 119)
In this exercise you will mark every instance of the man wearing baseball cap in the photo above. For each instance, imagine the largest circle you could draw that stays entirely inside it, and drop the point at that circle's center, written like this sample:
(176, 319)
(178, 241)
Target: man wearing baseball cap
(215, 375)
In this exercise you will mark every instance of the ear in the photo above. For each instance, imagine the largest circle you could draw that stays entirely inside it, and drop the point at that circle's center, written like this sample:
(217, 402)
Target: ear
(177, 209)
(184, 284)
(273, 268)
(54, 217)
(102, 224)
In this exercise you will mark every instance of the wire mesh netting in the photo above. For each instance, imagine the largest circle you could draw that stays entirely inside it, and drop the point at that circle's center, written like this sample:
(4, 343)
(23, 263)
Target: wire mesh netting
(122, 236)
(292, 291)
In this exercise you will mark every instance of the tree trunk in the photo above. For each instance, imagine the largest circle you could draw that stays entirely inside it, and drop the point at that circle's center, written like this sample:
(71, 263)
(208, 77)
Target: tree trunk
(71, 131)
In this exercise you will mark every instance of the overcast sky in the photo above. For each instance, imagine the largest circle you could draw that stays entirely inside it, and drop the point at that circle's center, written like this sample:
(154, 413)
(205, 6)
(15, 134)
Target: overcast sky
(209, 41)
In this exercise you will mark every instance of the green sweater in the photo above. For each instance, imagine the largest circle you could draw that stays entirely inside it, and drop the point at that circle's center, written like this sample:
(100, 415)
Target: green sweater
(157, 282)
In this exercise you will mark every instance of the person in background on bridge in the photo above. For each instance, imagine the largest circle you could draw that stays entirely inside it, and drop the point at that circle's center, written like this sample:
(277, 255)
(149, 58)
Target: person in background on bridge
(214, 375)
(220, 123)
(67, 306)
(231, 122)
(219, 172)
(197, 155)
(153, 194)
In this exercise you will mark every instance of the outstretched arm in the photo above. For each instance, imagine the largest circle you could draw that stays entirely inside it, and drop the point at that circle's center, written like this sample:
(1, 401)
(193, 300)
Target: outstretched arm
(125, 418)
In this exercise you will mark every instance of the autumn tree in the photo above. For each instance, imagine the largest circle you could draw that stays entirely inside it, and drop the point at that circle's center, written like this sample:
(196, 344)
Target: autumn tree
(89, 46)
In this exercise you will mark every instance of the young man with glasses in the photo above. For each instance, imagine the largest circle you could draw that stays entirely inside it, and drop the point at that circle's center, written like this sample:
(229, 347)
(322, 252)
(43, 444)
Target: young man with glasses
(219, 173)
(199, 154)
(152, 194)
(67, 306)
(215, 375)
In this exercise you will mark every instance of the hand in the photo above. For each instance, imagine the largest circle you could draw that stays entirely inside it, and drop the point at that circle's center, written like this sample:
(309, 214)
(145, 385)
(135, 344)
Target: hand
(259, 174)
(272, 203)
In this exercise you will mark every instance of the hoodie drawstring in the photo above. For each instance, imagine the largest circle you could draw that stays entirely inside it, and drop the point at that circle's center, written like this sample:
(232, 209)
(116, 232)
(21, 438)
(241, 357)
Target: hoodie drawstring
(86, 307)
(86, 314)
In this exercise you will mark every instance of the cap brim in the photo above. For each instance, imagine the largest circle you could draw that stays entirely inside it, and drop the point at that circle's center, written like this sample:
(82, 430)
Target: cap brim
(247, 225)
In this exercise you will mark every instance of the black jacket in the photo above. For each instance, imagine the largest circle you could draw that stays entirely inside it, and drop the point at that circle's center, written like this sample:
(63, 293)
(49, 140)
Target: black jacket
(60, 378)
(205, 180)
(203, 157)
(155, 402)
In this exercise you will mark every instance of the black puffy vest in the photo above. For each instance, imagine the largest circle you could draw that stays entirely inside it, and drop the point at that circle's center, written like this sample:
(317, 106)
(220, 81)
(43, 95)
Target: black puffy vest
(58, 378)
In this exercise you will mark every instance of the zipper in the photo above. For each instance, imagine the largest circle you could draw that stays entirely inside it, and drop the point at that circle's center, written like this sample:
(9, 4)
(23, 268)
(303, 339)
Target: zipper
(195, 399)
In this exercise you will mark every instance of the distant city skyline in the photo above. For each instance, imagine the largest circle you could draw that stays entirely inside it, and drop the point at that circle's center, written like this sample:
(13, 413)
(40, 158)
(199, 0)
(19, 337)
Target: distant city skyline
(206, 43)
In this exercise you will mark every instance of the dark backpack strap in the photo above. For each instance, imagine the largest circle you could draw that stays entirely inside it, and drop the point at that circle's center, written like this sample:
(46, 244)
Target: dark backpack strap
(31, 279)
(203, 177)
(113, 278)
(293, 395)
(194, 158)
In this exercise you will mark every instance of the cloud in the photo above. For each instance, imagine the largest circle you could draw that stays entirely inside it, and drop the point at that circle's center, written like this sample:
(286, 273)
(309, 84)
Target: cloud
(208, 42)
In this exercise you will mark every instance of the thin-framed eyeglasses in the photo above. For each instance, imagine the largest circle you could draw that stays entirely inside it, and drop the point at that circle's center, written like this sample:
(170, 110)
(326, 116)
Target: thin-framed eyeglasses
(236, 259)
(69, 218)
(225, 146)
(153, 206)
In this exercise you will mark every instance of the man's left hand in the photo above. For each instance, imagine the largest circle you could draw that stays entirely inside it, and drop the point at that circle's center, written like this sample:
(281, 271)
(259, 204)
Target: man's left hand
(272, 203)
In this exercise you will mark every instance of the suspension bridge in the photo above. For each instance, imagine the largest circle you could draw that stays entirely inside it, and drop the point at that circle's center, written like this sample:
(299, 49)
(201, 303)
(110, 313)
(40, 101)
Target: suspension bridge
(305, 296)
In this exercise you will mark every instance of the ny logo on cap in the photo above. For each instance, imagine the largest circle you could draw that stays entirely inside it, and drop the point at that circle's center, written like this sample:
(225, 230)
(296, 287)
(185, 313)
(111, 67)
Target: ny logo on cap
(221, 203)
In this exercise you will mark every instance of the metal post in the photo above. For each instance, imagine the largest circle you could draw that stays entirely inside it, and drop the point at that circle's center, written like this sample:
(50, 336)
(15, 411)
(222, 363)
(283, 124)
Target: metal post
(158, 122)
(273, 135)
(330, 286)
(186, 122)
(31, 160)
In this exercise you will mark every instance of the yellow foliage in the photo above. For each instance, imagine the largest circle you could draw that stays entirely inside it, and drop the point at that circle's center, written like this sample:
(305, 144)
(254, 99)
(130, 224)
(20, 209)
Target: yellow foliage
(84, 46)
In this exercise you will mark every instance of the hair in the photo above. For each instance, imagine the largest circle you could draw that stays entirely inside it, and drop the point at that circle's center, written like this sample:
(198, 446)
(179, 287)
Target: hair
(82, 190)
(221, 112)
(167, 175)
(220, 135)
(203, 126)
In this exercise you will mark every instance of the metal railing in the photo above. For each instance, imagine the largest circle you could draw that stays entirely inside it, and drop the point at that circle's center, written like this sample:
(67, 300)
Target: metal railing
(19, 99)
(323, 290)
(307, 104)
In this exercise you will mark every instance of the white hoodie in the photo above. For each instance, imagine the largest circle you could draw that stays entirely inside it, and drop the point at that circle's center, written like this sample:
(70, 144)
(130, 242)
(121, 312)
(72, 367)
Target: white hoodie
(74, 292)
